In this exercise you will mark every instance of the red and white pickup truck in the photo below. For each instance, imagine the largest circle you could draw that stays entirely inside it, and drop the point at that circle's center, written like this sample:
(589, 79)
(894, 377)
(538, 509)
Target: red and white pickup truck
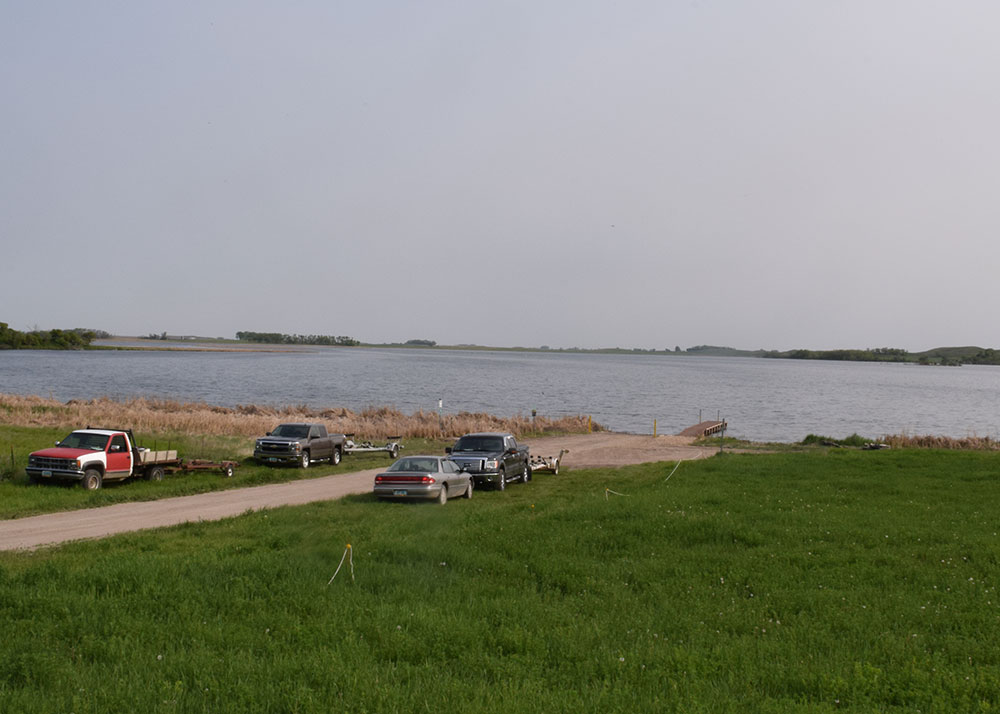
(93, 456)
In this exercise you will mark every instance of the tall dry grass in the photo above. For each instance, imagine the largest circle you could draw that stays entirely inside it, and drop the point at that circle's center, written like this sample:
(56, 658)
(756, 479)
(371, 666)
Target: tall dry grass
(168, 416)
(968, 443)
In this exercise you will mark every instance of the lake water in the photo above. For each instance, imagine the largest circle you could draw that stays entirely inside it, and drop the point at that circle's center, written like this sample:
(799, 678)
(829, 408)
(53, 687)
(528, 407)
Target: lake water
(762, 399)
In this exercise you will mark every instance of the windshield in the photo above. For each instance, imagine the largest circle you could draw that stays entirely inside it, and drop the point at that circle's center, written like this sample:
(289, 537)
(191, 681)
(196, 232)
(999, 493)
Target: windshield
(479, 443)
(292, 431)
(424, 465)
(80, 440)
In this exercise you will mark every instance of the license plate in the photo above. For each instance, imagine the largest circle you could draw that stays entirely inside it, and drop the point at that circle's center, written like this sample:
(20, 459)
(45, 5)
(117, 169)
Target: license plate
(399, 492)
(272, 459)
(46, 473)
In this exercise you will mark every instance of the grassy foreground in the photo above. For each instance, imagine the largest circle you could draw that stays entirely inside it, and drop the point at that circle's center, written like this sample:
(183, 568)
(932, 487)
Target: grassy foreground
(818, 582)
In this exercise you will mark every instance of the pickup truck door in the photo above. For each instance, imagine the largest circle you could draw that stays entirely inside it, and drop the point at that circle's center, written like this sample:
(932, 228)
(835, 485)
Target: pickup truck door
(119, 457)
(511, 456)
(319, 448)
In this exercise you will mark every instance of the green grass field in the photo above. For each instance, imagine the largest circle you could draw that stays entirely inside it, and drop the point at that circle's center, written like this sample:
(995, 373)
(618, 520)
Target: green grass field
(825, 581)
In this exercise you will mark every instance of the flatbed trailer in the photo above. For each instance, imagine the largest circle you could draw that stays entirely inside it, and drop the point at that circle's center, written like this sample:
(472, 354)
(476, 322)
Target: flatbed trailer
(155, 464)
(392, 446)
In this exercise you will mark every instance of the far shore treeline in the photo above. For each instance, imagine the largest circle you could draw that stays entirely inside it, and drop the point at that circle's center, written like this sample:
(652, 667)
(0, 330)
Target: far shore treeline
(80, 338)
(74, 339)
(276, 338)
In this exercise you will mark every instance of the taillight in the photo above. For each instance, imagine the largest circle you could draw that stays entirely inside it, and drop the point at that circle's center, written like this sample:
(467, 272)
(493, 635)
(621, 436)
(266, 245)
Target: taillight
(427, 479)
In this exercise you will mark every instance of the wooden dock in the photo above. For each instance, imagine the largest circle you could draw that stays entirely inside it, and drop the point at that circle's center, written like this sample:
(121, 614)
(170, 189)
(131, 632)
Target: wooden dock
(705, 428)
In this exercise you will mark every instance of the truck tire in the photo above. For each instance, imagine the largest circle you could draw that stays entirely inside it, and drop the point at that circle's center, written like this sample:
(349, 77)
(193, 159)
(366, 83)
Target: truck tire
(92, 480)
(335, 456)
(501, 480)
(526, 475)
(155, 473)
(304, 460)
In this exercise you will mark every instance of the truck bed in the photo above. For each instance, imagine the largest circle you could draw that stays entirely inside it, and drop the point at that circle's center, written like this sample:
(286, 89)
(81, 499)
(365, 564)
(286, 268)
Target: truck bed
(157, 457)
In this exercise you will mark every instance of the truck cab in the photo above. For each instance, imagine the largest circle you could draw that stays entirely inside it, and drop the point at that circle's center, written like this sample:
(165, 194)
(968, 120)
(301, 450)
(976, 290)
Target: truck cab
(90, 456)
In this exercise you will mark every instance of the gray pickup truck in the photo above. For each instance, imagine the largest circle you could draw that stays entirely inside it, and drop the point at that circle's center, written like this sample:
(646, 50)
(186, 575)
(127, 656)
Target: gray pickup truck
(300, 444)
(492, 457)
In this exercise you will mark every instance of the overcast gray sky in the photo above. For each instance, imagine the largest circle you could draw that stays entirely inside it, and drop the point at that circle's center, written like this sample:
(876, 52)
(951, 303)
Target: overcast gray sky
(775, 174)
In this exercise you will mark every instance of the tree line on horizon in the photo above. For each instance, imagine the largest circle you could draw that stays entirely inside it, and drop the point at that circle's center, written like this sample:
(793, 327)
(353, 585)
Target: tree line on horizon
(75, 339)
(277, 338)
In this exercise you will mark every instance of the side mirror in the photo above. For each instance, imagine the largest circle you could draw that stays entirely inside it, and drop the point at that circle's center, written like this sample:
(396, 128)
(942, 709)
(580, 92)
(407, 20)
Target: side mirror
(267, 434)
(447, 449)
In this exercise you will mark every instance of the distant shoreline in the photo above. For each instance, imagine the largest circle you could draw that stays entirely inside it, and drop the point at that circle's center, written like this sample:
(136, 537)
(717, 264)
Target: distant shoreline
(938, 356)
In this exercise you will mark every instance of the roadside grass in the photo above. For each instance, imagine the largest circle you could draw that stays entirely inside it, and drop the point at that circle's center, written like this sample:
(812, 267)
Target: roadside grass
(814, 582)
(18, 498)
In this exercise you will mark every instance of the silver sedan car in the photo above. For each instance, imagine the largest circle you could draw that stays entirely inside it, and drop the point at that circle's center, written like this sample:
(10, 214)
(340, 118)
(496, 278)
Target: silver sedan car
(425, 477)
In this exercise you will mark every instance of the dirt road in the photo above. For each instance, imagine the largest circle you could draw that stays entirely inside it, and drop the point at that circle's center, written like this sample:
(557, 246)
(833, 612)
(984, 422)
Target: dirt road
(585, 451)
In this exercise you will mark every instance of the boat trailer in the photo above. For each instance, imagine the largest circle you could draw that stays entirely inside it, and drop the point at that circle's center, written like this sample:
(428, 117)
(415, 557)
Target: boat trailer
(539, 464)
(392, 446)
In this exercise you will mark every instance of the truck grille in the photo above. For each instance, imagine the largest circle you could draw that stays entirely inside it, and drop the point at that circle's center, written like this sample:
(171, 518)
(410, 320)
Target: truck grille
(273, 448)
(50, 464)
(470, 465)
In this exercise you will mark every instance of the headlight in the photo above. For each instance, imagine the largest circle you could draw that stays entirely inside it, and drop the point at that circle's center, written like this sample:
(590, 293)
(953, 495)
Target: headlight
(78, 464)
(297, 446)
(492, 464)
(257, 445)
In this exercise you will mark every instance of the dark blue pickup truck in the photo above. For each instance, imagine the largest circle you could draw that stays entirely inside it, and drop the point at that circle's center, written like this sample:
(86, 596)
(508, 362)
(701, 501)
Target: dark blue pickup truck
(495, 458)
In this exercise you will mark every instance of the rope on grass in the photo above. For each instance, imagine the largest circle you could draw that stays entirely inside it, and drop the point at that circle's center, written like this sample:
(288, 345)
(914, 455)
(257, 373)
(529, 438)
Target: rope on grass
(672, 472)
(347, 552)
(608, 490)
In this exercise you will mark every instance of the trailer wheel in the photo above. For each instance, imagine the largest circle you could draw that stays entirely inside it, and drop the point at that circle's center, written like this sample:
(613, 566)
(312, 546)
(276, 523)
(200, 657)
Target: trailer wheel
(335, 458)
(394, 451)
(228, 470)
(155, 473)
(92, 479)
(304, 460)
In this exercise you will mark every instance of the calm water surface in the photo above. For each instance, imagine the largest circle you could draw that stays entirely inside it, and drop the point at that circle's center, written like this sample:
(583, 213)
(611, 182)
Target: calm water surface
(764, 400)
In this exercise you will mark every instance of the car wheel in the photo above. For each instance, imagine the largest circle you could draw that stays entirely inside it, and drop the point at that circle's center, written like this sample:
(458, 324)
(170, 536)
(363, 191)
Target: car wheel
(468, 491)
(526, 476)
(91, 479)
(155, 474)
(501, 480)
(335, 459)
(443, 495)
(304, 460)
